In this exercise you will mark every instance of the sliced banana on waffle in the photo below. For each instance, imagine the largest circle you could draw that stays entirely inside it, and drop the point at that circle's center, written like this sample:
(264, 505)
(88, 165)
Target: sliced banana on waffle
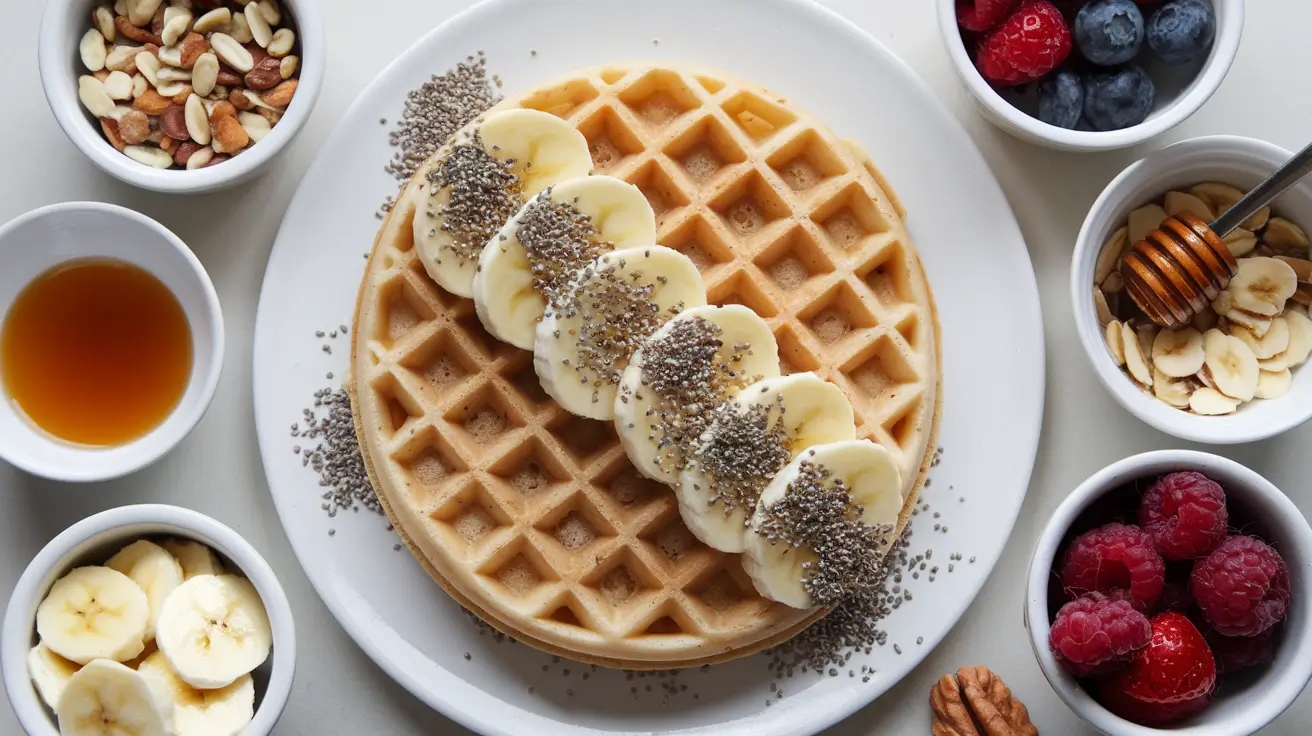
(50, 673)
(94, 613)
(483, 179)
(223, 711)
(615, 303)
(154, 570)
(536, 254)
(824, 523)
(753, 436)
(674, 384)
(106, 698)
(213, 629)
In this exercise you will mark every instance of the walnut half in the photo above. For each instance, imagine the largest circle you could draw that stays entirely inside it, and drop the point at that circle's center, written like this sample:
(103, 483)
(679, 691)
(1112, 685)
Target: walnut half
(975, 702)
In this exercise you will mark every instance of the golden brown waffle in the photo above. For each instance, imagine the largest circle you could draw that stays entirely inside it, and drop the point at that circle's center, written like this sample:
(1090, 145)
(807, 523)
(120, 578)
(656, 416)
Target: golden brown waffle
(534, 519)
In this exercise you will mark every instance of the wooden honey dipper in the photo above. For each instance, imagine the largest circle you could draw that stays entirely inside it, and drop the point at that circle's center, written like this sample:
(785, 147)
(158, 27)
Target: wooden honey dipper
(1178, 269)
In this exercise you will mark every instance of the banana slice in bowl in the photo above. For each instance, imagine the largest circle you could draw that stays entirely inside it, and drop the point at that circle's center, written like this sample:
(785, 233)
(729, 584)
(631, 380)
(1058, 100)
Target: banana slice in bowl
(535, 256)
(752, 438)
(106, 698)
(681, 376)
(154, 570)
(224, 710)
(94, 613)
(213, 629)
(824, 524)
(469, 193)
(614, 305)
(50, 673)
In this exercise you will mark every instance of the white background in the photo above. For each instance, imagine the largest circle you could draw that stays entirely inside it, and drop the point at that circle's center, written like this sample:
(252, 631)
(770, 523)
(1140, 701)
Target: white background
(217, 470)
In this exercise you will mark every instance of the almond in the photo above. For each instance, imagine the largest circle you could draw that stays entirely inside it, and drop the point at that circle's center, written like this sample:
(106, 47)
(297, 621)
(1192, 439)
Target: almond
(173, 121)
(228, 78)
(267, 74)
(239, 100)
(184, 151)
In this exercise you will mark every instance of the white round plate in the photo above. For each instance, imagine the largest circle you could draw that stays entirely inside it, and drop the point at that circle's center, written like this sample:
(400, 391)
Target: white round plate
(967, 237)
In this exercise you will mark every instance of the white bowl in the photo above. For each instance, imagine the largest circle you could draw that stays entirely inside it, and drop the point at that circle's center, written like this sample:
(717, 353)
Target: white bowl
(93, 540)
(62, 27)
(1241, 162)
(1268, 690)
(1177, 98)
(42, 239)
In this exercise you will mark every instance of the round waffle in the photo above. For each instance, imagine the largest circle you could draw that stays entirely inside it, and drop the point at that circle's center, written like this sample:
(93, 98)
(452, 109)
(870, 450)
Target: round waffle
(535, 519)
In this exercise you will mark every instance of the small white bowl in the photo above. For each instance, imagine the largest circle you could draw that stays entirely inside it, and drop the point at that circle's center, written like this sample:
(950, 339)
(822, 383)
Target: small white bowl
(62, 27)
(1240, 162)
(42, 239)
(95, 539)
(1272, 688)
(1177, 99)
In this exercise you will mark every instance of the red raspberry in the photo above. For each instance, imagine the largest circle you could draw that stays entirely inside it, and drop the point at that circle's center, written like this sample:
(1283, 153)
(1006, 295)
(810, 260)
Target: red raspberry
(1094, 634)
(1235, 653)
(981, 15)
(1185, 514)
(1032, 42)
(1111, 557)
(1170, 679)
(1242, 588)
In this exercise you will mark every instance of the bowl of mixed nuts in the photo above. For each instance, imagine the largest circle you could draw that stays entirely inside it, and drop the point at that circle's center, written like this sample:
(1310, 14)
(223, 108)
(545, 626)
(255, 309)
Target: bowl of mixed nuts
(181, 96)
(1235, 374)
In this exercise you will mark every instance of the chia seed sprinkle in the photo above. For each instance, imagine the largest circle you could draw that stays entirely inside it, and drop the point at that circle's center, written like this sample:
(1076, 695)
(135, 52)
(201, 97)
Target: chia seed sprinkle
(483, 192)
(337, 457)
(816, 513)
(559, 241)
(436, 110)
(744, 451)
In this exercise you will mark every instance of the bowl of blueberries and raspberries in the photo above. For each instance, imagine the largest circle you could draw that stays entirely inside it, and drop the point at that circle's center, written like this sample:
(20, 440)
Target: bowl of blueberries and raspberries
(1092, 74)
(1168, 592)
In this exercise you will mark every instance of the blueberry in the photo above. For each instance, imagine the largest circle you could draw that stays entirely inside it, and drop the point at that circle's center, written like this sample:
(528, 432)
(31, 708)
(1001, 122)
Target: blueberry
(1181, 31)
(1109, 32)
(1118, 98)
(1061, 99)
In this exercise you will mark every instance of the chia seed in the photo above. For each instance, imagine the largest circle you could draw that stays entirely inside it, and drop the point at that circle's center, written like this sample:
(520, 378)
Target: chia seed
(436, 110)
(337, 457)
(816, 513)
(744, 451)
(559, 241)
(483, 192)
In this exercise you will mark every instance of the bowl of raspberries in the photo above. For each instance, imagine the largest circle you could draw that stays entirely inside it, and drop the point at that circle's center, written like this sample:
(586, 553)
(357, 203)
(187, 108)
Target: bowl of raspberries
(1091, 75)
(1168, 593)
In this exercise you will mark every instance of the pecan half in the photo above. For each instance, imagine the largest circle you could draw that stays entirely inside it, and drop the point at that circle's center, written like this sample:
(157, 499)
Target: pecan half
(975, 702)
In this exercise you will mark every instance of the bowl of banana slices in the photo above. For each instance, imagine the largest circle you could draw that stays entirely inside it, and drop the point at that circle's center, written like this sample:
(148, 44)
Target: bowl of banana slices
(1236, 373)
(148, 620)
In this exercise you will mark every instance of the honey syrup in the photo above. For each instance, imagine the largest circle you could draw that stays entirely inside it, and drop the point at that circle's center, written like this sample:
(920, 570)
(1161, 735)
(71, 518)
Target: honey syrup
(96, 352)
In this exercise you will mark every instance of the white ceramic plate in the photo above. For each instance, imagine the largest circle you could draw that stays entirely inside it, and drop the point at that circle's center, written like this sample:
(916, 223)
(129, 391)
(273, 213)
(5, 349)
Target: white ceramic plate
(977, 264)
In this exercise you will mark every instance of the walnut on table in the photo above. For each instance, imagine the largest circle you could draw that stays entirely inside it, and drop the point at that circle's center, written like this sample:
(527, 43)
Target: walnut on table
(975, 702)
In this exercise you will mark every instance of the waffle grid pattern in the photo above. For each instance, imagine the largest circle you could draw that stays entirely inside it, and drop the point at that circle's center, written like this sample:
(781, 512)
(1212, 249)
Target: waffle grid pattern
(535, 518)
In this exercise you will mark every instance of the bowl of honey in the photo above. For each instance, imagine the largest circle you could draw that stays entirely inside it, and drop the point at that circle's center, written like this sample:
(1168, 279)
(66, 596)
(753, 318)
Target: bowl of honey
(111, 341)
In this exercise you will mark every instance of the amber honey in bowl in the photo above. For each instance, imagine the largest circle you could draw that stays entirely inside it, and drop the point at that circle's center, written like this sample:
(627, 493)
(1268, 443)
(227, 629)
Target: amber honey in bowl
(95, 352)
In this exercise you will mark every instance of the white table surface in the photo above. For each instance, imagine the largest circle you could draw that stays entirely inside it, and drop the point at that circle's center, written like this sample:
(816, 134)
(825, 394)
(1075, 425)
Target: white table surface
(217, 469)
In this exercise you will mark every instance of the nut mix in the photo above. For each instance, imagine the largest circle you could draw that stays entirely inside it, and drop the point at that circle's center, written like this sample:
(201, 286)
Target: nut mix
(185, 84)
(1257, 331)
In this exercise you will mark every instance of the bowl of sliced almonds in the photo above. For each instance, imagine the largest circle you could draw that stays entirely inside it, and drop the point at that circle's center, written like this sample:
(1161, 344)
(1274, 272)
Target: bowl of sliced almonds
(1235, 374)
(181, 96)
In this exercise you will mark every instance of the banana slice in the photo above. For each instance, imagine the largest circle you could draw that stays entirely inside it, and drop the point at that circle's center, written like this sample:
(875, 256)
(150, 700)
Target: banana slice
(221, 712)
(614, 305)
(674, 384)
(1135, 361)
(812, 540)
(105, 698)
(1262, 286)
(1254, 323)
(214, 629)
(751, 438)
(482, 180)
(1178, 353)
(1300, 343)
(1174, 391)
(1231, 364)
(50, 673)
(536, 254)
(152, 568)
(1274, 384)
(1286, 237)
(1240, 242)
(94, 613)
(1115, 341)
(1144, 220)
(1210, 403)
(1273, 343)
(195, 558)
(1180, 202)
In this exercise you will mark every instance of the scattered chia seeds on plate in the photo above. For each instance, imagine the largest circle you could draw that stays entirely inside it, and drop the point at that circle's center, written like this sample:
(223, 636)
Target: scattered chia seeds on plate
(436, 110)
(337, 457)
